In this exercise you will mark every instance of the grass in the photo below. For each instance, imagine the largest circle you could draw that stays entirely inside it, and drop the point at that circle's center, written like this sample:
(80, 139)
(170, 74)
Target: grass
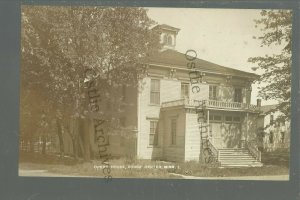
(68, 166)
(196, 169)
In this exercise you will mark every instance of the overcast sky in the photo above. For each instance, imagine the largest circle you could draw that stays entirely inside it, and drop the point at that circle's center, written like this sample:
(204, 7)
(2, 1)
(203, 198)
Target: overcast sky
(221, 36)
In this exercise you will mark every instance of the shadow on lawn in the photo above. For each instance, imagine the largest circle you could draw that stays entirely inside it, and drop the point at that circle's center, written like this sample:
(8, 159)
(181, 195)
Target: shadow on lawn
(53, 159)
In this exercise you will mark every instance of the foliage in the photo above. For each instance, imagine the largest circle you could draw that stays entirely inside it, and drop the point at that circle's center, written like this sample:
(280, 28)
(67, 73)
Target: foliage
(58, 43)
(276, 26)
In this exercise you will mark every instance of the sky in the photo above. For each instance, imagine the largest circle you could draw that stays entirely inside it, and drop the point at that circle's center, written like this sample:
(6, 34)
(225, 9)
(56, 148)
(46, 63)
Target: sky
(221, 36)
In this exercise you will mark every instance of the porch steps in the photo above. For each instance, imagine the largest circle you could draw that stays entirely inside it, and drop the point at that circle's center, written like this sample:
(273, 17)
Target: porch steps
(231, 157)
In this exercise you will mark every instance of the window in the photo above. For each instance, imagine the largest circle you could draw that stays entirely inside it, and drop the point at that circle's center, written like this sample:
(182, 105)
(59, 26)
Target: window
(173, 131)
(155, 92)
(238, 95)
(271, 119)
(228, 118)
(165, 40)
(169, 40)
(213, 92)
(215, 118)
(185, 90)
(236, 119)
(153, 137)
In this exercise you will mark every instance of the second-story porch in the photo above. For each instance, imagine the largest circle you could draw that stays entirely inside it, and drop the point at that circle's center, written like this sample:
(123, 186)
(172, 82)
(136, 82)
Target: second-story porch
(212, 105)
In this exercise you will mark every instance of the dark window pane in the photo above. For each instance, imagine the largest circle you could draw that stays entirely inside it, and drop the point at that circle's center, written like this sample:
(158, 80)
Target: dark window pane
(212, 92)
(184, 90)
(236, 119)
(238, 95)
(155, 92)
(228, 118)
(153, 137)
(217, 118)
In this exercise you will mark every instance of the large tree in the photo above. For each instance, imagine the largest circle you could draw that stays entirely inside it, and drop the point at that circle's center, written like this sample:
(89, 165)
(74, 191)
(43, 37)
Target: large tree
(60, 43)
(276, 26)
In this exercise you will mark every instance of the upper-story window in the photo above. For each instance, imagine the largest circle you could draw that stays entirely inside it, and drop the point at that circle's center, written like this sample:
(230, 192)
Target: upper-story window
(213, 92)
(238, 95)
(165, 39)
(185, 90)
(155, 91)
(170, 40)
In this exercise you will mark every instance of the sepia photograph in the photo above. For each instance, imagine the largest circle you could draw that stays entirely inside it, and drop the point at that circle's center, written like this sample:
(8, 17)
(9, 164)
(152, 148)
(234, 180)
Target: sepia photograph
(156, 93)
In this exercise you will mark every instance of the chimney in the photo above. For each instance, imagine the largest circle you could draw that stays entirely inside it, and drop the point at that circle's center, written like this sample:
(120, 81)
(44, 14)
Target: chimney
(258, 102)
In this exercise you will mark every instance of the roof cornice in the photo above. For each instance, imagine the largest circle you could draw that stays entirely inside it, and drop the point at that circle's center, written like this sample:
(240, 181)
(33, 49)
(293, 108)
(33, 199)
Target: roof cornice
(178, 67)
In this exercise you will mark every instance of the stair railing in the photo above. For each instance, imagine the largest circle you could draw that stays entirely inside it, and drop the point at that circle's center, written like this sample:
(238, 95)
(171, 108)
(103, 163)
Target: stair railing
(213, 149)
(253, 149)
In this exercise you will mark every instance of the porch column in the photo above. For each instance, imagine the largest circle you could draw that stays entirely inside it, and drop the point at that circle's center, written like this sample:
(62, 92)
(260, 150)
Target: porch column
(208, 123)
(247, 119)
(244, 135)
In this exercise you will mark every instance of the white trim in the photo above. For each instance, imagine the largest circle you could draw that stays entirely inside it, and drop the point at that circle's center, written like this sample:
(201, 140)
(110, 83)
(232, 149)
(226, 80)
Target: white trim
(210, 72)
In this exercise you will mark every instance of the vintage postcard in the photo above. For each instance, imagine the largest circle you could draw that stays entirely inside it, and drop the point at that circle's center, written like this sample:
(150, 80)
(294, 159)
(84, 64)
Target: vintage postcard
(133, 92)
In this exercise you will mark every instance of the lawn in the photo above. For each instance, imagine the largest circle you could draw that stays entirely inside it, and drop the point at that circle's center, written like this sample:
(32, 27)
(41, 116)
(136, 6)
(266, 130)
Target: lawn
(130, 168)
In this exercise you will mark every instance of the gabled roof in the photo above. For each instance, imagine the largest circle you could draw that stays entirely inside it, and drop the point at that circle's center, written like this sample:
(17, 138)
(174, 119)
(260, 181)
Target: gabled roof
(177, 59)
(165, 26)
(268, 109)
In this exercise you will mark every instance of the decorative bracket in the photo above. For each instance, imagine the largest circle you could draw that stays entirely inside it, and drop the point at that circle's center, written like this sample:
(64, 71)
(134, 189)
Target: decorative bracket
(201, 76)
(228, 78)
(172, 73)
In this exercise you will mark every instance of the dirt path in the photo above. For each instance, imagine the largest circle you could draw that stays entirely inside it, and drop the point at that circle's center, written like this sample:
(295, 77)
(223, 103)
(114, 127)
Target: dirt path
(261, 178)
(45, 173)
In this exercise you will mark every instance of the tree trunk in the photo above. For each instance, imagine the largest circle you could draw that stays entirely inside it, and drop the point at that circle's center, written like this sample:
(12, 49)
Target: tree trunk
(44, 144)
(75, 147)
(86, 140)
(31, 145)
(60, 138)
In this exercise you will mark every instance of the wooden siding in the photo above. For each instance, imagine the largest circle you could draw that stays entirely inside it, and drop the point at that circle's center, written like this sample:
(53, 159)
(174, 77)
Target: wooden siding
(169, 90)
(192, 137)
(174, 152)
(203, 94)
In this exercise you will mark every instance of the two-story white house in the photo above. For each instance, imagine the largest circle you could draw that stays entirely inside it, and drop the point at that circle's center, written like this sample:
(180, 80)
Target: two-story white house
(274, 133)
(178, 117)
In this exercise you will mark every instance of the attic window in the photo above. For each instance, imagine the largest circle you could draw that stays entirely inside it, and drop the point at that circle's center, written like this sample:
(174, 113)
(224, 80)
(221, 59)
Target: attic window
(165, 40)
(170, 40)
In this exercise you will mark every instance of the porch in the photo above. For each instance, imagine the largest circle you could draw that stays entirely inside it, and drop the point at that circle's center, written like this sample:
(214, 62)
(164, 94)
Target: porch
(212, 104)
(220, 131)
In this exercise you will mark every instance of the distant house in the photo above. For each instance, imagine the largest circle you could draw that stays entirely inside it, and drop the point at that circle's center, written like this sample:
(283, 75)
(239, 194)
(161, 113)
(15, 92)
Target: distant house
(274, 134)
(174, 122)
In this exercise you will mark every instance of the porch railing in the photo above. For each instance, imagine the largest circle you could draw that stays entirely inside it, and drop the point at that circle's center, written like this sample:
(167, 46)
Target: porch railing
(211, 104)
(252, 147)
(230, 105)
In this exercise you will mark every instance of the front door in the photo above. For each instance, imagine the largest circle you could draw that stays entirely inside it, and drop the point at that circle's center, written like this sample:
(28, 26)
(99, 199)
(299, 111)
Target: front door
(231, 135)
(226, 135)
